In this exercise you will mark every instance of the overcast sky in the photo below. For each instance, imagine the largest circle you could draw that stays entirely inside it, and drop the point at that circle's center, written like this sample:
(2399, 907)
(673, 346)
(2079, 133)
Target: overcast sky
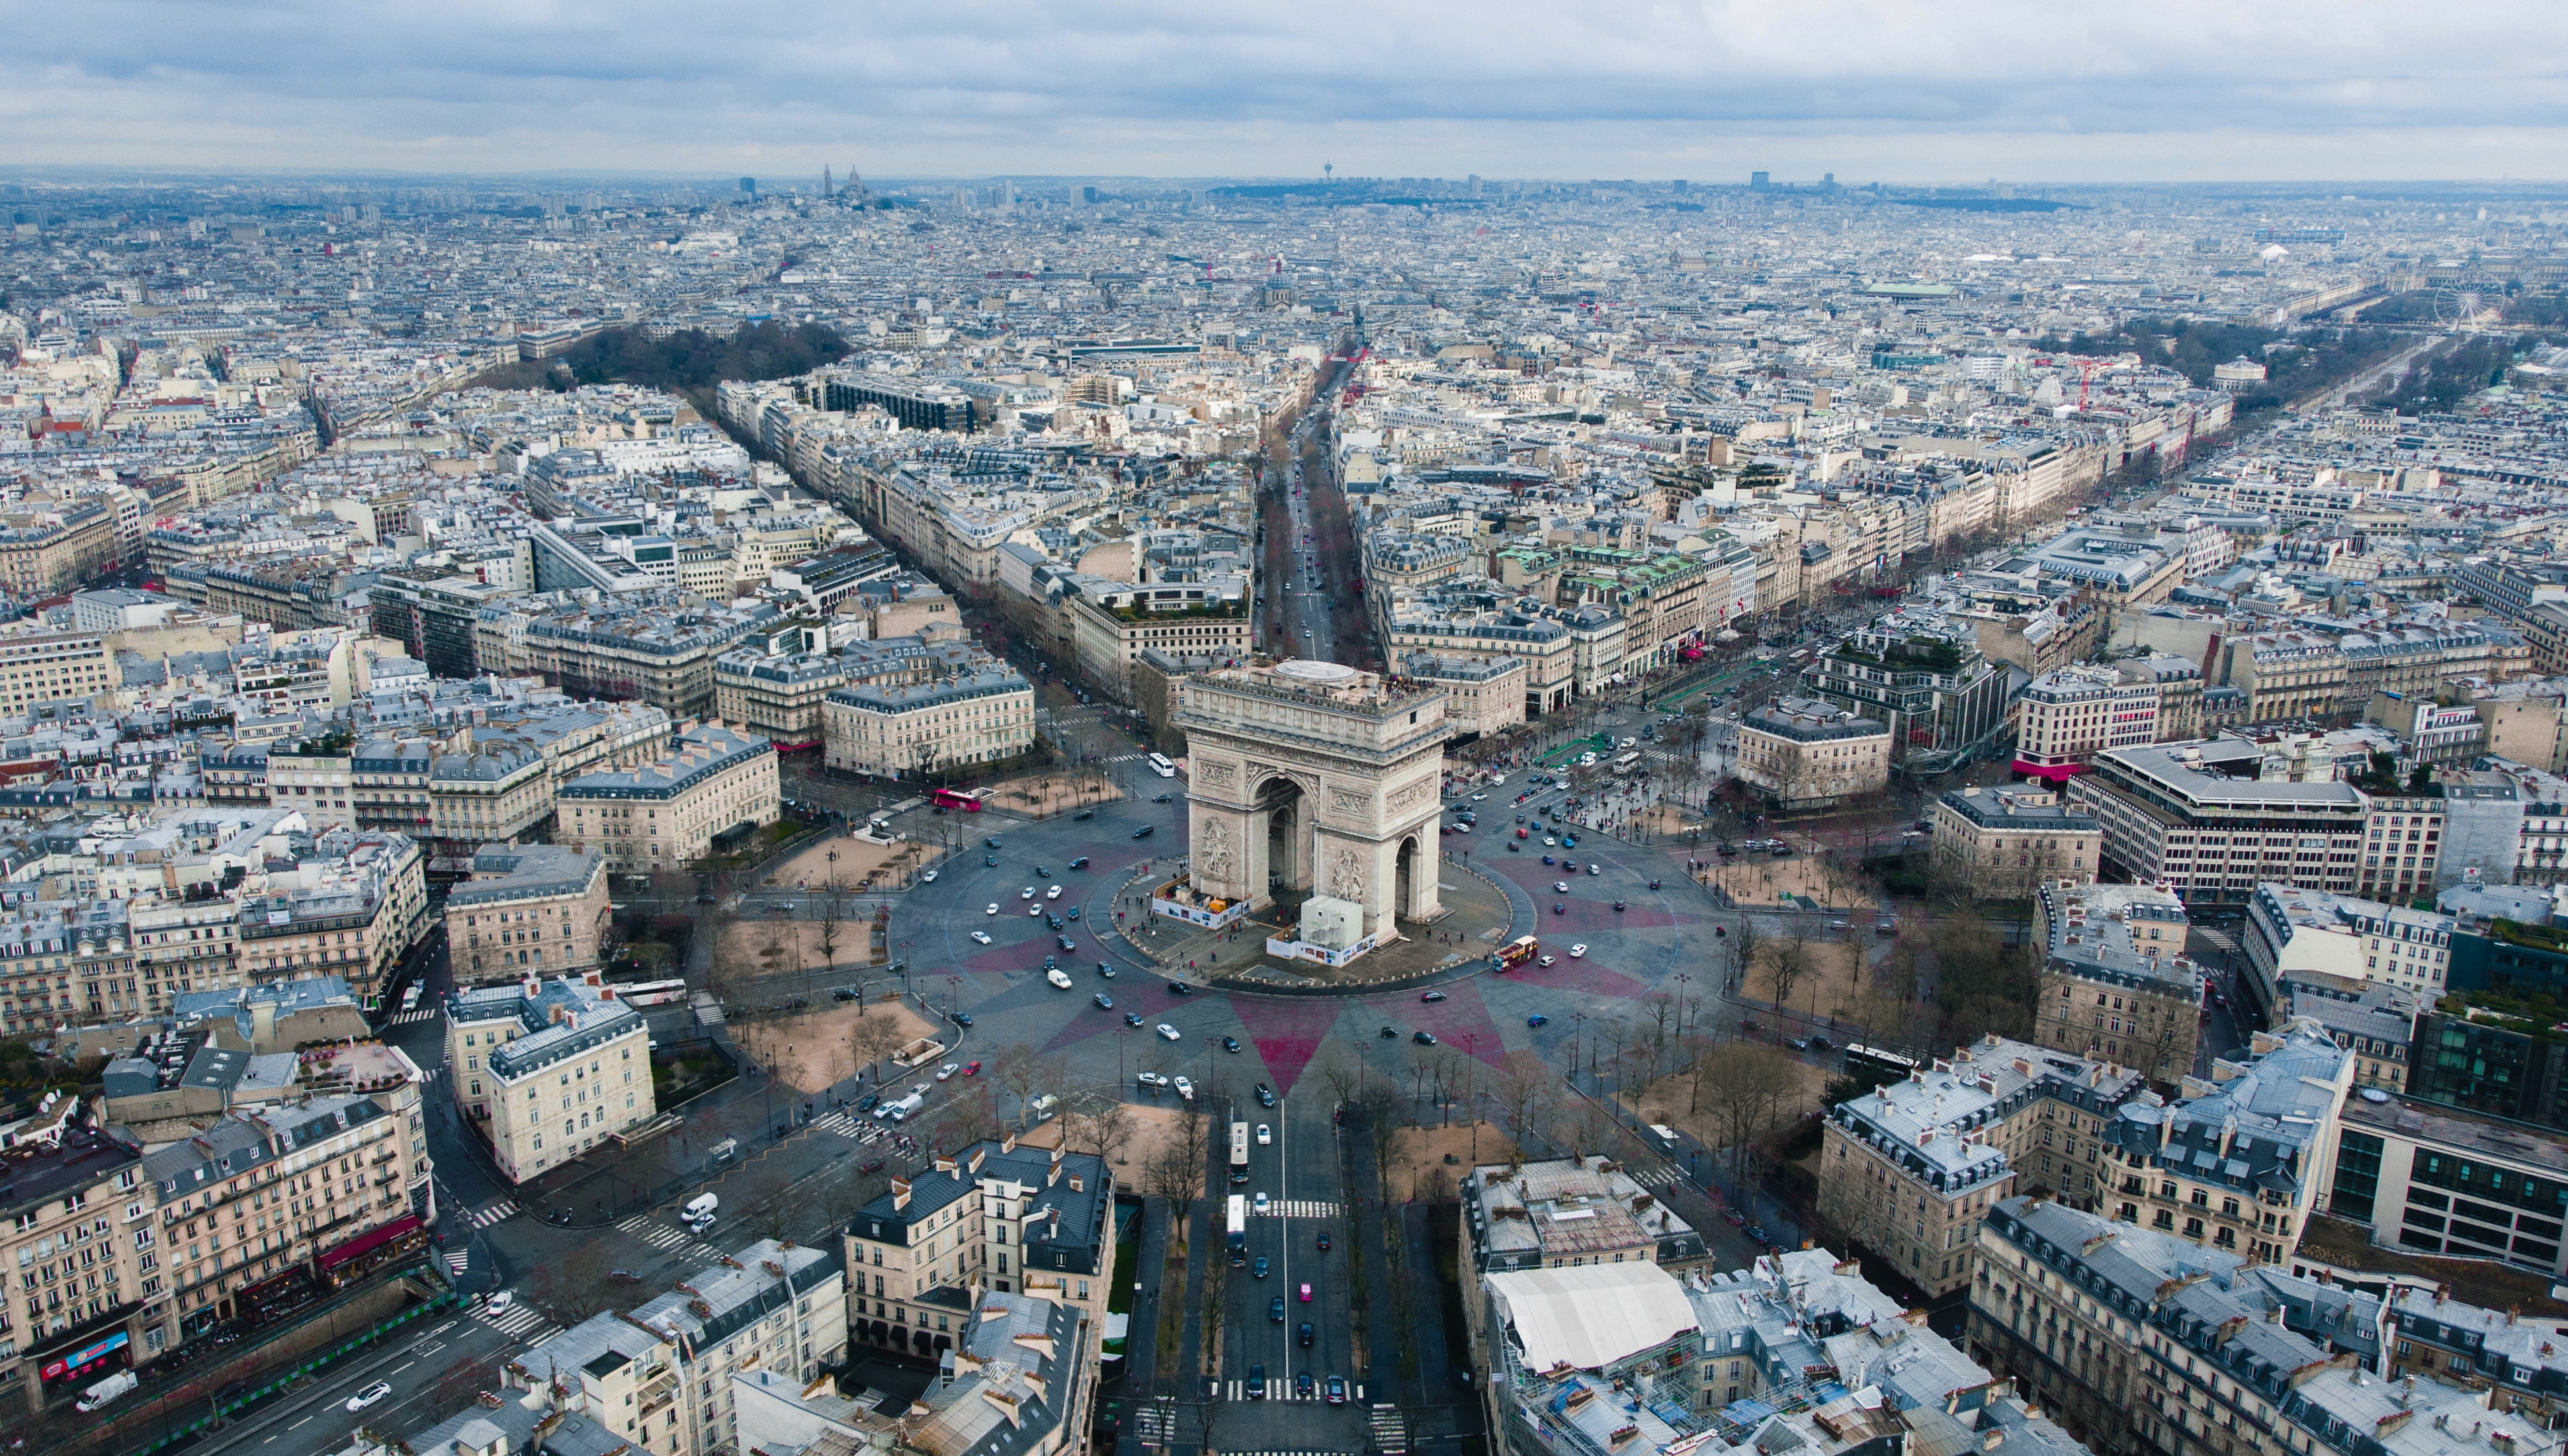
(1954, 89)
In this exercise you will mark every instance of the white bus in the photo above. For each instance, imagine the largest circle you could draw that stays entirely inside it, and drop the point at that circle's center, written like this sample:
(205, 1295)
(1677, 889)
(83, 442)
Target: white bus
(1239, 1152)
(1160, 766)
(1238, 1229)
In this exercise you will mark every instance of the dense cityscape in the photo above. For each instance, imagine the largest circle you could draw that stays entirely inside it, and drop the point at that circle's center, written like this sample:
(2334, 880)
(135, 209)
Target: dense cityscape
(863, 816)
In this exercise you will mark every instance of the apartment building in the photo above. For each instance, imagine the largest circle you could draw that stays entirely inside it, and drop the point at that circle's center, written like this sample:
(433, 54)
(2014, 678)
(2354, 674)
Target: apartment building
(1632, 1358)
(2292, 932)
(2374, 1022)
(48, 549)
(1111, 623)
(1908, 1169)
(779, 695)
(994, 1215)
(1569, 1212)
(322, 1192)
(388, 783)
(90, 1295)
(653, 646)
(660, 1377)
(663, 815)
(2519, 1362)
(2197, 818)
(2239, 1162)
(360, 902)
(40, 667)
(528, 909)
(1799, 754)
(312, 776)
(2005, 843)
(2286, 674)
(2403, 845)
(2116, 981)
(941, 727)
(498, 790)
(546, 1069)
(2070, 715)
(2143, 1344)
(1923, 676)
(1482, 695)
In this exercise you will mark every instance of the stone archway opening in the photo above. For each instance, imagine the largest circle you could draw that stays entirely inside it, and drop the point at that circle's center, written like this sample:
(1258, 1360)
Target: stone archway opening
(1404, 885)
(1286, 811)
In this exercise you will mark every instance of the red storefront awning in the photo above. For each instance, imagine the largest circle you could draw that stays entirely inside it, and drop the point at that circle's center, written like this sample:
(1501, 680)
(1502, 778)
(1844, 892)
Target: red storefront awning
(369, 1241)
(2056, 774)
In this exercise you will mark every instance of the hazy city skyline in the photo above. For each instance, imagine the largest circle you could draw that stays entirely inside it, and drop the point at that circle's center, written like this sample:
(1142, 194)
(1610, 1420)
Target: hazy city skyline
(1872, 92)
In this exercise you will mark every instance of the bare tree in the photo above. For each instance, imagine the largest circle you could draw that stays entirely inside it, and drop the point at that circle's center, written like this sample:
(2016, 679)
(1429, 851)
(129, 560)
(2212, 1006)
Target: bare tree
(1746, 940)
(1522, 1085)
(1018, 1072)
(1341, 1074)
(873, 1039)
(1660, 1010)
(1177, 1174)
(1787, 960)
(1751, 1085)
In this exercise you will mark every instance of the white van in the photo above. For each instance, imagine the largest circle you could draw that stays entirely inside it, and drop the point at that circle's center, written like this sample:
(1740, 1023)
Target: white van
(697, 1215)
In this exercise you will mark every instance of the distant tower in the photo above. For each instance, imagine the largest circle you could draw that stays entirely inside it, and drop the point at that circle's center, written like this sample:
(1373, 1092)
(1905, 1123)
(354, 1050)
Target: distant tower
(828, 187)
(1328, 171)
(749, 185)
(1757, 181)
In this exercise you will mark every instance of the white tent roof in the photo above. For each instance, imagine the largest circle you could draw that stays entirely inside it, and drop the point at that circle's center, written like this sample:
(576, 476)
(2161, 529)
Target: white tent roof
(1592, 1317)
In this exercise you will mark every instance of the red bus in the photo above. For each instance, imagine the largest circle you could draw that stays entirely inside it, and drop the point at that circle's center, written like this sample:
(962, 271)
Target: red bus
(1517, 953)
(966, 799)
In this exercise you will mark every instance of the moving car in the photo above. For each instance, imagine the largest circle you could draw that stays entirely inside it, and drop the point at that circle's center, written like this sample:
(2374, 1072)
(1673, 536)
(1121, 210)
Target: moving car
(1265, 1135)
(993, 910)
(1578, 951)
(1306, 1294)
(1257, 1267)
(1560, 887)
(1265, 1096)
(1179, 988)
(948, 1071)
(1055, 892)
(1186, 1089)
(1103, 1002)
(1058, 977)
(1132, 1019)
(1423, 1039)
(1431, 996)
(1028, 893)
(1261, 1205)
(1275, 1307)
(1542, 961)
(982, 936)
(1537, 1020)
(1106, 969)
(1166, 1031)
(370, 1395)
(1160, 799)
(1081, 863)
(1145, 831)
(1337, 1391)
(1231, 1044)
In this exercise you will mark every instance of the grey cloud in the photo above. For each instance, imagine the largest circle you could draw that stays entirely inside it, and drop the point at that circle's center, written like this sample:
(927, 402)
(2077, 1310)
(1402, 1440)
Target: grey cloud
(987, 86)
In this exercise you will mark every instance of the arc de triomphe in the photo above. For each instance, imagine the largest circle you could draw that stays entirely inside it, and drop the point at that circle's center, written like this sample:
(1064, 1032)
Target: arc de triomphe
(1313, 775)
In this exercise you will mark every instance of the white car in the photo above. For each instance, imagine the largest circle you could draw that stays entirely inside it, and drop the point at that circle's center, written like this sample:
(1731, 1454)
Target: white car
(1058, 977)
(994, 905)
(1549, 841)
(927, 878)
(1265, 1134)
(1168, 1033)
(1546, 961)
(1034, 909)
(1596, 869)
(369, 1395)
(1186, 1089)
(1028, 893)
(948, 1069)
(982, 936)
(1578, 952)
(1052, 894)
(1560, 887)
(1475, 798)
(1261, 1203)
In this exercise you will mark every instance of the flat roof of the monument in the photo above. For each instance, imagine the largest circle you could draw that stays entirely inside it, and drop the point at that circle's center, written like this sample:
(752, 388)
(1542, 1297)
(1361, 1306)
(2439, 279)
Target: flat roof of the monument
(1311, 669)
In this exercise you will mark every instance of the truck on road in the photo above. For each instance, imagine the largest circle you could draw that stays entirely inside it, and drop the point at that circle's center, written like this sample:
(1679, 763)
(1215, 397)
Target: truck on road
(700, 1210)
(107, 1391)
(896, 1111)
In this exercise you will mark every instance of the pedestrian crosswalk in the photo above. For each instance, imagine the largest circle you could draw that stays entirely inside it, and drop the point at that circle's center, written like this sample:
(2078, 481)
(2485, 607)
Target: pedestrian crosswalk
(455, 1258)
(1281, 1389)
(495, 1211)
(653, 1232)
(1302, 1208)
(521, 1321)
(1659, 1177)
(413, 1017)
(1390, 1431)
(847, 1124)
(1155, 1424)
